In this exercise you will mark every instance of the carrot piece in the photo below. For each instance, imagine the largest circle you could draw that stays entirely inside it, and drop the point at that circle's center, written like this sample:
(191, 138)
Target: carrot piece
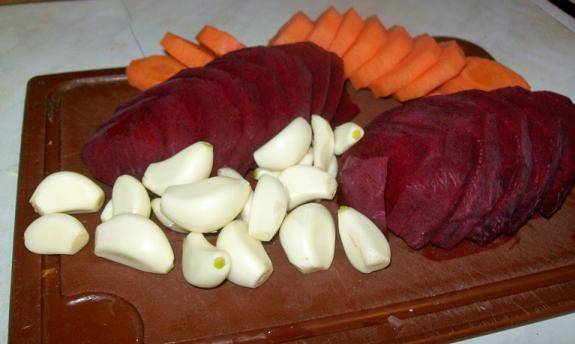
(483, 74)
(347, 33)
(451, 62)
(294, 30)
(151, 70)
(399, 44)
(218, 41)
(186, 52)
(325, 27)
(370, 39)
(425, 53)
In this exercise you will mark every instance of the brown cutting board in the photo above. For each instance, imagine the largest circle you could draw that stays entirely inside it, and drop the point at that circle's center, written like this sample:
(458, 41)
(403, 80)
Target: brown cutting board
(427, 295)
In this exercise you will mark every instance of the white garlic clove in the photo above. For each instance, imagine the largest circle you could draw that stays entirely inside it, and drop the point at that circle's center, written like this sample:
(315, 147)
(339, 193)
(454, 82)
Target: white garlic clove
(245, 214)
(204, 265)
(307, 159)
(135, 241)
(260, 172)
(107, 212)
(346, 135)
(251, 266)
(55, 234)
(323, 142)
(206, 205)
(157, 210)
(187, 166)
(286, 148)
(333, 168)
(67, 192)
(129, 196)
(229, 172)
(268, 208)
(365, 245)
(307, 183)
(307, 236)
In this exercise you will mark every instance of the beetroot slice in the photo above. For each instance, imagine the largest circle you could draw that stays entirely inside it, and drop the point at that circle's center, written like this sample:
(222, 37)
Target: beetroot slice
(516, 159)
(561, 107)
(318, 62)
(346, 110)
(336, 83)
(546, 138)
(359, 177)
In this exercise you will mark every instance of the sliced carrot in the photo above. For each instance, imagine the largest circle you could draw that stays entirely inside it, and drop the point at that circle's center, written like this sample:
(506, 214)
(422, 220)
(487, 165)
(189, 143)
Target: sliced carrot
(294, 30)
(151, 70)
(218, 41)
(186, 52)
(425, 53)
(348, 31)
(398, 45)
(451, 62)
(483, 74)
(325, 27)
(370, 39)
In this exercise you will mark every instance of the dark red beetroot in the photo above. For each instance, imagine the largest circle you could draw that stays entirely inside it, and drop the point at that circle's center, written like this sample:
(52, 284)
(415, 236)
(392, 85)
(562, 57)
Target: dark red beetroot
(335, 89)
(346, 109)
(516, 159)
(359, 177)
(560, 106)
(318, 62)
(546, 138)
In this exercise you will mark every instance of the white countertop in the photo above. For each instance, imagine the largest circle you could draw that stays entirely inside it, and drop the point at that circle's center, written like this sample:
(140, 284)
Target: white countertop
(69, 36)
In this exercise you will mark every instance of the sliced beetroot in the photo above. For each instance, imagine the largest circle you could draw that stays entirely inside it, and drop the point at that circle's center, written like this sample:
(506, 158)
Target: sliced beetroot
(516, 159)
(318, 62)
(347, 110)
(335, 89)
(561, 107)
(359, 177)
(546, 141)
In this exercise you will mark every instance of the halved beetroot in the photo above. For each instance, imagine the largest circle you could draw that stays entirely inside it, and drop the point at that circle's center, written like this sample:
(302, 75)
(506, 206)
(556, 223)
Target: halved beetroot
(561, 107)
(546, 138)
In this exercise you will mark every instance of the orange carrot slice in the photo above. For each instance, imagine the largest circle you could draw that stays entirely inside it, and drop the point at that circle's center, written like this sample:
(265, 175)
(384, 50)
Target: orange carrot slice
(451, 62)
(370, 39)
(325, 27)
(347, 33)
(186, 52)
(218, 41)
(483, 74)
(151, 70)
(398, 45)
(294, 30)
(425, 53)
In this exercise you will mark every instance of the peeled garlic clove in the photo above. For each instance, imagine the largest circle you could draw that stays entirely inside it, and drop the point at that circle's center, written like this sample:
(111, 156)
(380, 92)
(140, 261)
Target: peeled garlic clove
(206, 205)
(135, 241)
(251, 266)
(129, 196)
(307, 159)
(307, 236)
(346, 135)
(333, 168)
(204, 265)
(365, 245)
(67, 192)
(229, 172)
(108, 212)
(55, 234)
(245, 214)
(268, 208)
(259, 172)
(307, 183)
(157, 209)
(323, 142)
(286, 148)
(187, 166)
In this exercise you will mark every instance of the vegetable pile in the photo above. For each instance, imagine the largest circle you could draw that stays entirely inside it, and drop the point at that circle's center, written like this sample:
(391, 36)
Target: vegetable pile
(472, 165)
